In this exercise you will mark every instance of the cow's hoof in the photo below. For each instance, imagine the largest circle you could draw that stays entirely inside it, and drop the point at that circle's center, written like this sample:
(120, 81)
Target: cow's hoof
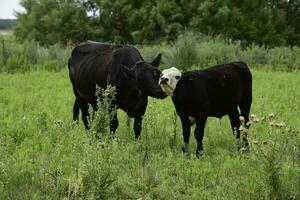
(186, 152)
(111, 137)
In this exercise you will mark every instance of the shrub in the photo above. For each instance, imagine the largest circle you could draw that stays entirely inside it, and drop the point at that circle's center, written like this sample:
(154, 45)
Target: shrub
(183, 54)
(214, 51)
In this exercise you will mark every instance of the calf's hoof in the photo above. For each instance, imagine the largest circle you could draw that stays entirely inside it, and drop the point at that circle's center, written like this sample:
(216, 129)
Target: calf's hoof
(243, 146)
(199, 153)
(243, 150)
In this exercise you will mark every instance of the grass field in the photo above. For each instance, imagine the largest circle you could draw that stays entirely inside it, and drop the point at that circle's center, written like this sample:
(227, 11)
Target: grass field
(44, 156)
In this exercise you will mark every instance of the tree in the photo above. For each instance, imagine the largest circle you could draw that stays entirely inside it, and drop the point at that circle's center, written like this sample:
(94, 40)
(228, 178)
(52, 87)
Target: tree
(252, 21)
(50, 21)
(270, 22)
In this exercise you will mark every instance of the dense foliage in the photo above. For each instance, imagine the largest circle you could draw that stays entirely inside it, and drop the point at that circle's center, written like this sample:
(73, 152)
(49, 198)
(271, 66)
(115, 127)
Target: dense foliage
(271, 22)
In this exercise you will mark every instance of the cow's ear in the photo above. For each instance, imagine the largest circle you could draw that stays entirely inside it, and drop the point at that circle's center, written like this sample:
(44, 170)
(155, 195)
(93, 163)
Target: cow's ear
(127, 72)
(138, 63)
(156, 61)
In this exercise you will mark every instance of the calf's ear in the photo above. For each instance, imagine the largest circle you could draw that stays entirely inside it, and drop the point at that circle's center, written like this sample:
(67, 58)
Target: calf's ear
(127, 72)
(156, 61)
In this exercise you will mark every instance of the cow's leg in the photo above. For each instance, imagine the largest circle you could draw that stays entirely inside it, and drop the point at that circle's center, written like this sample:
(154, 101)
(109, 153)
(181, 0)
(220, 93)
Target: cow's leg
(85, 114)
(138, 126)
(199, 133)
(114, 123)
(76, 110)
(186, 128)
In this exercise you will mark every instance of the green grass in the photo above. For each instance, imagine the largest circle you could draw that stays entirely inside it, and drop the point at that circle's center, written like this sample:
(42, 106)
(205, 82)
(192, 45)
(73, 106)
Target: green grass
(44, 156)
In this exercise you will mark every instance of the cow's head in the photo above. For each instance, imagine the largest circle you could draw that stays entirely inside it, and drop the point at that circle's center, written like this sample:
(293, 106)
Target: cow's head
(169, 79)
(146, 75)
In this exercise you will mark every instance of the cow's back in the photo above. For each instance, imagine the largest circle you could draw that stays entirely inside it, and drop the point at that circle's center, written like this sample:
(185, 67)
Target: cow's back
(129, 97)
(89, 65)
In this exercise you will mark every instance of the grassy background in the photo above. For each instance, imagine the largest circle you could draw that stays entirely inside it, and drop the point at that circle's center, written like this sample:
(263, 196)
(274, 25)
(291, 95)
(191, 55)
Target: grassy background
(44, 156)
(190, 50)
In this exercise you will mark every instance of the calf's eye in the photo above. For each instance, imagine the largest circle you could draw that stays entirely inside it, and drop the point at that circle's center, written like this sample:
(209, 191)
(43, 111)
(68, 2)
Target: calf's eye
(177, 77)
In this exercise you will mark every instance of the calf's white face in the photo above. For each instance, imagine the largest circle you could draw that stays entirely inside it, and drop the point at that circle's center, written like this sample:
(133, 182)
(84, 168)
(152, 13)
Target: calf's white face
(169, 79)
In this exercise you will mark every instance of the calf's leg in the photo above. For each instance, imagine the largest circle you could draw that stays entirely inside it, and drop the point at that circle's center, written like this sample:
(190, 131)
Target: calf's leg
(245, 109)
(186, 128)
(76, 110)
(235, 125)
(137, 126)
(245, 106)
(235, 122)
(199, 133)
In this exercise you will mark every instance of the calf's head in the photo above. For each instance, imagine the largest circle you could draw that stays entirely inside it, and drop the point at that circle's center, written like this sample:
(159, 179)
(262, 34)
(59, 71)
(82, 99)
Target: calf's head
(146, 76)
(169, 79)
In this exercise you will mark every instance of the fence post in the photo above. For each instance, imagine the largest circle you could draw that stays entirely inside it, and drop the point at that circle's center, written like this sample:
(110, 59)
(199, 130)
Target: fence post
(238, 50)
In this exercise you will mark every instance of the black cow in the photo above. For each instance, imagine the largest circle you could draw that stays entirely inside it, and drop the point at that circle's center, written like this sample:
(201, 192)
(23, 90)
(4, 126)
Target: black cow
(94, 63)
(215, 92)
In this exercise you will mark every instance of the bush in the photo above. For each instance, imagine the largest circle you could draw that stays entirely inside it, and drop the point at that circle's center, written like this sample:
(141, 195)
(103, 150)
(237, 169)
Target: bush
(215, 51)
(183, 54)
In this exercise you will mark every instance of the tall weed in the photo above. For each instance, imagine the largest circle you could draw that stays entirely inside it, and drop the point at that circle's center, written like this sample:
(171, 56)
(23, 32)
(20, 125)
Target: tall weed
(269, 153)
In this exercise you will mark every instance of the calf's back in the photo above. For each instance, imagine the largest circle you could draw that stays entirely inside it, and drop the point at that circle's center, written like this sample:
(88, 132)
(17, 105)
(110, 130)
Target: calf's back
(215, 91)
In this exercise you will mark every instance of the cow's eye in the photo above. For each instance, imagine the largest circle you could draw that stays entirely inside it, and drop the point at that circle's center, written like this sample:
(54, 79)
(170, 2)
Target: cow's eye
(177, 77)
(155, 73)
